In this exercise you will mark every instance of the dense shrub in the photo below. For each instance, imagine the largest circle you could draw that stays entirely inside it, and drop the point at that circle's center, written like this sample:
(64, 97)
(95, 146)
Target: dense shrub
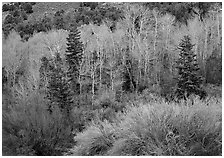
(97, 139)
(29, 129)
(157, 129)
(107, 105)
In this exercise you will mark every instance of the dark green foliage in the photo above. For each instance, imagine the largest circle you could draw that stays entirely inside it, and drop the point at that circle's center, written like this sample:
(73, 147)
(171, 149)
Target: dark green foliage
(4, 76)
(183, 11)
(25, 30)
(14, 6)
(92, 5)
(19, 20)
(17, 13)
(46, 23)
(98, 13)
(58, 21)
(189, 82)
(73, 55)
(59, 92)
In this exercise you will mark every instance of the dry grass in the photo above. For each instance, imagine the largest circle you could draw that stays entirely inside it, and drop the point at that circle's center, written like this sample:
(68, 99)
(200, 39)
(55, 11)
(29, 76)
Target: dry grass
(158, 129)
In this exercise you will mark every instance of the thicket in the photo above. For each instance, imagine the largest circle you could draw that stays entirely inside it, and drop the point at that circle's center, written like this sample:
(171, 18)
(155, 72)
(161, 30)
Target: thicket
(29, 129)
(112, 70)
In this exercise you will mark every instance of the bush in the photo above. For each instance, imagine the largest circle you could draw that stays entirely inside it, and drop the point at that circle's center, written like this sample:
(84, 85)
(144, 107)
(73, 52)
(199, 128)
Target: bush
(213, 90)
(29, 129)
(107, 106)
(158, 129)
(97, 139)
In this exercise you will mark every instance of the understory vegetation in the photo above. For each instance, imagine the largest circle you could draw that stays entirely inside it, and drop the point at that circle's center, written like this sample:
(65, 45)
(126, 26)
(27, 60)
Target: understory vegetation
(156, 129)
(112, 79)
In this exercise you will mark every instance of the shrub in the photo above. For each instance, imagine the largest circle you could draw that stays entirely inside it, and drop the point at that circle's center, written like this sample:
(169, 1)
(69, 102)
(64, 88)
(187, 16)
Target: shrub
(107, 106)
(29, 129)
(97, 139)
(158, 129)
(213, 90)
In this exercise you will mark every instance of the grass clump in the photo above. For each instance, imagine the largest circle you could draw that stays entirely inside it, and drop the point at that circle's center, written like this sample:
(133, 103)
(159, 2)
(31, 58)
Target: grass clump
(97, 139)
(183, 129)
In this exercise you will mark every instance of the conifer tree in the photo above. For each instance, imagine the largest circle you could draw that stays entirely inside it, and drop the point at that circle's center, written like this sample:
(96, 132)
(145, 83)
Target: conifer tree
(59, 92)
(74, 54)
(189, 80)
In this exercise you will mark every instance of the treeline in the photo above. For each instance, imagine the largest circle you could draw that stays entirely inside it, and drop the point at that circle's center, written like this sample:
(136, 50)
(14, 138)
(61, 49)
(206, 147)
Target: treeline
(141, 51)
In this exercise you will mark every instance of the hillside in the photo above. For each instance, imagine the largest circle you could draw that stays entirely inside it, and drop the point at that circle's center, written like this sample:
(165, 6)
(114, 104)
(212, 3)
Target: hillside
(42, 7)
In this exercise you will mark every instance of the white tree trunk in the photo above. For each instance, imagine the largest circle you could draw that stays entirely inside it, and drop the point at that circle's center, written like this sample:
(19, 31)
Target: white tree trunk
(218, 28)
(154, 46)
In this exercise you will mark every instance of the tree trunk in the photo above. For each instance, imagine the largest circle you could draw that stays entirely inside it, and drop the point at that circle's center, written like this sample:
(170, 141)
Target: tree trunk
(218, 28)
(93, 81)
(111, 78)
(154, 45)
(205, 52)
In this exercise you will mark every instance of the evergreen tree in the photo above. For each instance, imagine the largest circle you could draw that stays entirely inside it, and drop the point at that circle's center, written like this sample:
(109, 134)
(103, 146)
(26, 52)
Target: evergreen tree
(74, 54)
(189, 81)
(59, 92)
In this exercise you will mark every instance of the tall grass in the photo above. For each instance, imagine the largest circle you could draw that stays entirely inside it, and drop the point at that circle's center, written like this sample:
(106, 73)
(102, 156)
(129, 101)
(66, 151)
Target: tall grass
(29, 129)
(157, 129)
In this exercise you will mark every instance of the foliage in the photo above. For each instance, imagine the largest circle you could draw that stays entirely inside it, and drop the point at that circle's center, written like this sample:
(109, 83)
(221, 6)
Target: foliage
(29, 129)
(189, 81)
(17, 13)
(97, 139)
(58, 20)
(59, 92)
(183, 11)
(74, 53)
(157, 129)
(98, 13)
(126, 59)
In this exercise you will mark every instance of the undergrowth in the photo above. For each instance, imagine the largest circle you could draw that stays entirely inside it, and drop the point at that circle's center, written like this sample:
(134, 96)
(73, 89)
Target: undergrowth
(29, 129)
(157, 128)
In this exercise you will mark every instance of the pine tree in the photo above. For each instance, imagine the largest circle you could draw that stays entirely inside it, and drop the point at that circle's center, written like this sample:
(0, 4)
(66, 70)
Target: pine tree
(189, 80)
(74, 54)
(59, 92)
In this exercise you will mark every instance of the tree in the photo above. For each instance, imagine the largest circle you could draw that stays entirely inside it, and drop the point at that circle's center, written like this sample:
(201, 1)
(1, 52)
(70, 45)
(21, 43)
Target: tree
(74, 53)
(189, 81)
(59, 92)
